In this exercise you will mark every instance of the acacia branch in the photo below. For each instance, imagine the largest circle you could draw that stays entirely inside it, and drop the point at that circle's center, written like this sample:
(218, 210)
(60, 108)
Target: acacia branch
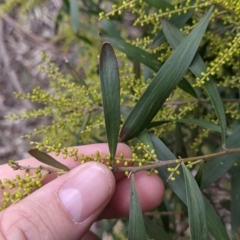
(162, 163)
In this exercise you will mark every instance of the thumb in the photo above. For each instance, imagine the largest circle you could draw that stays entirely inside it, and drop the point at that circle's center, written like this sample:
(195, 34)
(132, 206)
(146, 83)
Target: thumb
(62, 209)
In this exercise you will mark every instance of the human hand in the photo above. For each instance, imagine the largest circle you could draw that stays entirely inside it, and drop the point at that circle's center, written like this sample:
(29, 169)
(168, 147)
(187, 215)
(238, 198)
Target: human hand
(66, 207)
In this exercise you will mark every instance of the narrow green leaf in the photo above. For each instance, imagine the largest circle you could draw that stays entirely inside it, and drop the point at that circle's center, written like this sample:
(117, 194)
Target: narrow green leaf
(130, 50)
(76, 76)
(214, 224)
(201, 123)
(169, 221)
(178, 21)
(125, 111)
(198, 176)
(158, 123)
(136, 228)
(154, 231)
(144, 138)
(164, 82)
(82, 127)
(196, 207)
(215, 168)
(187, 87)
(111, 35)
(180, 149)
(110, 87)
(74, 14)
(111, 28)
(84, 39)
(198, 122)
(59, 17)
(163, 153)
(235, 197)
(47, 159)
(175, 37)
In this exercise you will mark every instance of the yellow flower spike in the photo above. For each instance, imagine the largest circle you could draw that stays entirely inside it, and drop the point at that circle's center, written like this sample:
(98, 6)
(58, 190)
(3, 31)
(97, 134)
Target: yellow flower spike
(190, 166)
(173, 178)
(17, 177)
(7, 199)
(155, 171)
(177, 161)
(38, 183)
(134, 155)
(11, 186)
(178, 172)
(39, 175)
(125, 164)
(6, 194)
(28, 190)
(126, 173)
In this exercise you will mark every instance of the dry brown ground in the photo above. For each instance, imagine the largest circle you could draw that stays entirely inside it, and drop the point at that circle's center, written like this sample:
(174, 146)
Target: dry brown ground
(22, 39)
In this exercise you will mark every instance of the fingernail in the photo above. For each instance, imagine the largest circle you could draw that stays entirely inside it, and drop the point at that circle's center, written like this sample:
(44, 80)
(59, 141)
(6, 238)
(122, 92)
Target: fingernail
(86, 191)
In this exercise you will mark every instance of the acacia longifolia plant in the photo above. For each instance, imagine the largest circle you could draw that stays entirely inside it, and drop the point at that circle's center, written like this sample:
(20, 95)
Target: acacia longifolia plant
(165, 82)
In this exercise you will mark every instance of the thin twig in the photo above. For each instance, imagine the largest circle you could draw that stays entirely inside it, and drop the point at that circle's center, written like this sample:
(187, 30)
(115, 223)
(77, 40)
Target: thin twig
(16, 166)
(162, 163)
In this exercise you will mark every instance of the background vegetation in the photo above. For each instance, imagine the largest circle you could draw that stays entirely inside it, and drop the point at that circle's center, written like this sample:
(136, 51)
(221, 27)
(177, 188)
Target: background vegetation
(170, 106)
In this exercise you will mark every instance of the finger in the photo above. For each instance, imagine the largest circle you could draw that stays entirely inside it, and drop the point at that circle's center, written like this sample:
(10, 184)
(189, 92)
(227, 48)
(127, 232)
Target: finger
(7, 172)
(63, 209)
(150, 190)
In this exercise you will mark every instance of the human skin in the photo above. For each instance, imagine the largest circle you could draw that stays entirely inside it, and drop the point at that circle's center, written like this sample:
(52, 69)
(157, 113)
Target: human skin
(66, 207)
